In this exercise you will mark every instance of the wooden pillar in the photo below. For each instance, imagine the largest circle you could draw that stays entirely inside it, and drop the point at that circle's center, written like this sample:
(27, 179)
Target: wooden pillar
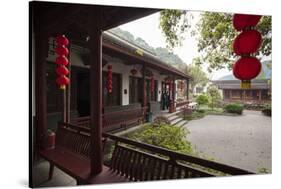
(41, 53)
(95, 45)
(174, 95)
(68, 89)
(187, 90)
(144, 103)
(260, 96)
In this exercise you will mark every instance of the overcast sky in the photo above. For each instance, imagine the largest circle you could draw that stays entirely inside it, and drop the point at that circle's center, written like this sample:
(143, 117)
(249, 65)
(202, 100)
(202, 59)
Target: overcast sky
(148, 29)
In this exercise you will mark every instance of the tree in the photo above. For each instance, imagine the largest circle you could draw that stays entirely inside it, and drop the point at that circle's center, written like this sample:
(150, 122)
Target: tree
(215, 35)
(202, 99)
(214, 95)
(199, 77)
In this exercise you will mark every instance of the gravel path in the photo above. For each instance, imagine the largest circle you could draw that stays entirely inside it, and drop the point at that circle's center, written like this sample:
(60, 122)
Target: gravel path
(241, 141)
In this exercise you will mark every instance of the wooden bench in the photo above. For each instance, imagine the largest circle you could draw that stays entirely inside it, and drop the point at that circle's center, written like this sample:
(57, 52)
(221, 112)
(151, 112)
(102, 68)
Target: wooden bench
(143, 162)
(71, 153)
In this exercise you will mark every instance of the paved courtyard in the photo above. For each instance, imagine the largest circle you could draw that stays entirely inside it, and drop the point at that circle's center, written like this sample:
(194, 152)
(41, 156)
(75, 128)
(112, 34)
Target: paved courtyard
(241, 141)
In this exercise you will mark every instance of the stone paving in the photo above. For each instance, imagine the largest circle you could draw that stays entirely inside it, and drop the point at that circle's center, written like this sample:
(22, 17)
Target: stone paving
(241, 141)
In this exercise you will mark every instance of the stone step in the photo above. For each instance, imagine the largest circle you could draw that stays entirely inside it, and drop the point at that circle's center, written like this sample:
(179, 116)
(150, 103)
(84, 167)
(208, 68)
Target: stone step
(175, 121)
(171, 118)
(181, 123)
(172, 114)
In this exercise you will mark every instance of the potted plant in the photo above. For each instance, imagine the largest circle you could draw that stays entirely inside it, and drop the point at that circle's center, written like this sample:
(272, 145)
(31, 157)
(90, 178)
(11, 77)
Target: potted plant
(50, 139)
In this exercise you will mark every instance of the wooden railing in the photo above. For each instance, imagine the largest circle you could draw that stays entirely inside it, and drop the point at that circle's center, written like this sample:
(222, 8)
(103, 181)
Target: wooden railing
(116, 119)
(139, 161)
(183, 103)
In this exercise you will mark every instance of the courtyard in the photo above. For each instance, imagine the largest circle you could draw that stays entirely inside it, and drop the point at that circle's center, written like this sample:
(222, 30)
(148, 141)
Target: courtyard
(241, 141)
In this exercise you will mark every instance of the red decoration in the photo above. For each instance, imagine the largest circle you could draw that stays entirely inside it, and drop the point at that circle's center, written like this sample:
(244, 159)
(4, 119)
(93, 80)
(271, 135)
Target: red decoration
(62, 70)
(247, 42)
(243, 21)
(62, 50)
(62, 40)
(181, 85)
(109, 78)
(62, 81)
(247, 68)
(62, 60)
(152, 84)
(134, 71)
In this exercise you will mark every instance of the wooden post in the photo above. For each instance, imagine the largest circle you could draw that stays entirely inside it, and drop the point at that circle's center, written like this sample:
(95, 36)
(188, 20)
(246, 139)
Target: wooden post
(187, 91)
(260, 96)
(41, 53)
(95, 45)
(144, 86)
(174, 95)
(68, 89)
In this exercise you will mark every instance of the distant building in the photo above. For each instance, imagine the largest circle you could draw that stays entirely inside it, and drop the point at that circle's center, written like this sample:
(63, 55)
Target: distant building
(259, 93)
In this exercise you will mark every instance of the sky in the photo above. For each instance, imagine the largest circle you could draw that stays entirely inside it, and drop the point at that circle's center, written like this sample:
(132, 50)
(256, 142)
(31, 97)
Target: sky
(148, 29)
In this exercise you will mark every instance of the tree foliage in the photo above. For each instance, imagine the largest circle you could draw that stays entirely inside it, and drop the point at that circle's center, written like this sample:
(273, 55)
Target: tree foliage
(199, 77)
(214, 95)
(202, 99)
(215, 34)
(164, 54)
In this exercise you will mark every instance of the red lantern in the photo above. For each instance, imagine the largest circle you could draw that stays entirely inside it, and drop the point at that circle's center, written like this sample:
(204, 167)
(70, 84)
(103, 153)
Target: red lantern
(134, 71)
(152, 84)
(247, 68)
(243, 21)
(62, 60)
(62, 70)
(62, 40)
(109, 78)
(181, 85)
(62, 50)
(247, 42)
(62, 81)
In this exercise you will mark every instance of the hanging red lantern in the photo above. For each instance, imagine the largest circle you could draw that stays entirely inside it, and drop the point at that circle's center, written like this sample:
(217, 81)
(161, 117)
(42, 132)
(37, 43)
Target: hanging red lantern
(62, 50)
(62, 81)
(62, 70)
(243, 21)
(246, 69)
(62, 40)
(247, 42)
(152, 84)
(181, 85)
(62, 60)
(134, 71)
(109, 78)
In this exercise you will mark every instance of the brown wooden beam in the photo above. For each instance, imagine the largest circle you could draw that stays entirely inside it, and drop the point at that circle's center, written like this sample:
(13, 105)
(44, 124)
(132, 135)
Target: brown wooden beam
(187, 91)
(41, 52)
(95, 45)
(144, 103)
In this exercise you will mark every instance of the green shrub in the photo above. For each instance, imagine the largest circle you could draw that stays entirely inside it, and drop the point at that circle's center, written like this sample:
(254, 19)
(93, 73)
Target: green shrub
(200, 110)
(234, 108)
(166, 136)
(202, 99)
(267, 110)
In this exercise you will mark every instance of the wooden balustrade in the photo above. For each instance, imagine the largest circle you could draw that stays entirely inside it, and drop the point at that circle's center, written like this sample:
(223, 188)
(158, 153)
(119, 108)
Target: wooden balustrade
(116, 119)
(183, 103)
(139, 161)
